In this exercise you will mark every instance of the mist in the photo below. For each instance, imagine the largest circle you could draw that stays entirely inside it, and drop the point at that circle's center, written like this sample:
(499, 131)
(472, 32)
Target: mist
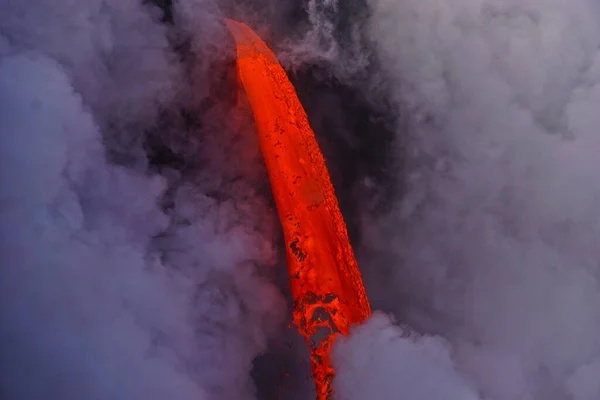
(140, 251)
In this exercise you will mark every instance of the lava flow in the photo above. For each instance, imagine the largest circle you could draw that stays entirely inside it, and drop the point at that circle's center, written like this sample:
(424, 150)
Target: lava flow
(326, 284)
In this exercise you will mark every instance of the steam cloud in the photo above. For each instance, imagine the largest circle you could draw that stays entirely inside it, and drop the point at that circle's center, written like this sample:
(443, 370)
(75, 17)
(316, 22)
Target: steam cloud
(494, 243)
(391, 363)
(106, 295)
(120, 281)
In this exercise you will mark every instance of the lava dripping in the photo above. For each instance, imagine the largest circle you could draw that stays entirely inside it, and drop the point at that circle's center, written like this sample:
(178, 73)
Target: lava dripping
(326, 284)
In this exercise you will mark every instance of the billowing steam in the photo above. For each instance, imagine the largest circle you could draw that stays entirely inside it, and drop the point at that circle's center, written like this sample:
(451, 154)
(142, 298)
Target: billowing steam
(380, 360)
(106, 294)
(494, 242)
(136, 236)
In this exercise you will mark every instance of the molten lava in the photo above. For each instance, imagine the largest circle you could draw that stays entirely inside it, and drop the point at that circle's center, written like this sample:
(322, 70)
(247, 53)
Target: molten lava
(325, 281)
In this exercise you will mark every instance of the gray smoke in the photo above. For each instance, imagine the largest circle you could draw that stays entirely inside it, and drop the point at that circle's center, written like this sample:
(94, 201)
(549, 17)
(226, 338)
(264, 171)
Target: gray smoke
(493, 243)
(121, 280)
(118, 282)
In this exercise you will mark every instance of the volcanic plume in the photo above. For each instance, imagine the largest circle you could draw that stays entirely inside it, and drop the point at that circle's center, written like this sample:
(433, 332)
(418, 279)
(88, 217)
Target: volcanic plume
(140, 246)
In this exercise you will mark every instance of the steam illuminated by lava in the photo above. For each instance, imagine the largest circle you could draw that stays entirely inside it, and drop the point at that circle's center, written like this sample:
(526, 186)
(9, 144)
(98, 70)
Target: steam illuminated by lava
(326, 283)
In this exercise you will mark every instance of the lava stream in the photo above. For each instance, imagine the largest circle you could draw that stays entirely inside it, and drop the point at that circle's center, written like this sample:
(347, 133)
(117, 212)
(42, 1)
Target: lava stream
(326, 284)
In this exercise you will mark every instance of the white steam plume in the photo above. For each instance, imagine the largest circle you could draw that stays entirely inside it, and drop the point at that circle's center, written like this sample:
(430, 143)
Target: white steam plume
(380, 360)
(103, 294)
(81, 306)
(494, 244)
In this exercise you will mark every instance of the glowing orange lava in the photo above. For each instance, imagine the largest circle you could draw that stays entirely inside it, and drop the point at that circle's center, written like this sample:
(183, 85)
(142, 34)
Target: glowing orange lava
(325, 281)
